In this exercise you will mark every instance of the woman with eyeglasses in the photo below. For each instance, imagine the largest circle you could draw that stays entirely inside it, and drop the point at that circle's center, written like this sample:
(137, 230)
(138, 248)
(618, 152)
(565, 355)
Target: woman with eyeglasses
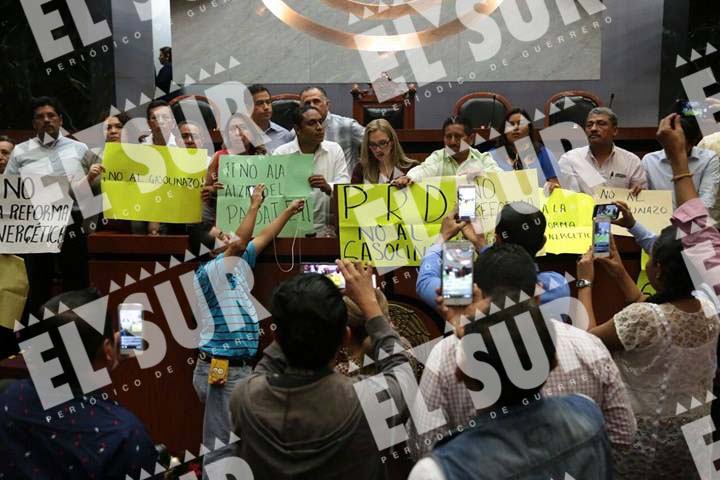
(382, 159)
(523, 149)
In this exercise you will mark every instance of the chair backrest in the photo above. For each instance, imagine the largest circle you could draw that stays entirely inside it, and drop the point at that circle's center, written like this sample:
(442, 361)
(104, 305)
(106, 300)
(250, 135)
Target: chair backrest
(282, 105)
(483, 109)
(399, 110)
(186, 104)
(570, 106)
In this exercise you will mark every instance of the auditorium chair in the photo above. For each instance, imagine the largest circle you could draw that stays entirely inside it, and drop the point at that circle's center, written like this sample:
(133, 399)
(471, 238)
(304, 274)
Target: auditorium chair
(210, 113)
(282, 106)
(398, 110)
(484, 109)
(577, 112)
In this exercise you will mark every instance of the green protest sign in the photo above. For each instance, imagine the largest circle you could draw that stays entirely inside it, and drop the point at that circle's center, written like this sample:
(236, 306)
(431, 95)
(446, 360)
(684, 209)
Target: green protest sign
(285, 178)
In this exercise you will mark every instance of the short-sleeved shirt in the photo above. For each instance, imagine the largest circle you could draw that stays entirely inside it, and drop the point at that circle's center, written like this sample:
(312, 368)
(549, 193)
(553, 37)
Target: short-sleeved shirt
(229, 321)
(63, 157)
(581, 172)
(87, 437)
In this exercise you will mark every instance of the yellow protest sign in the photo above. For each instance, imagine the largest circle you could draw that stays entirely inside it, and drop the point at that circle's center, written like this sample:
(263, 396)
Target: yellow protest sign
(13, 289)
(495, 190)
(569, 221)
(153, 184)
(643, 282)
(388, 226)
(652, 208)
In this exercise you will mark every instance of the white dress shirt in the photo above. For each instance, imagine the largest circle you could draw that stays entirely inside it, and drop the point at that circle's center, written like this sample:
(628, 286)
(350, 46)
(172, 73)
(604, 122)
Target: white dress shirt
(581, 172)
(330, 163)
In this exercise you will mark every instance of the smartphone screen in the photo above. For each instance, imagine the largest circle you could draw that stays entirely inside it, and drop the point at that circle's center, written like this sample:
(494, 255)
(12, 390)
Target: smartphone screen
(689, 108)
(606, 210)
(466, 202)
(601, 236)
(457, 273)
(331, 271)
(131, 327)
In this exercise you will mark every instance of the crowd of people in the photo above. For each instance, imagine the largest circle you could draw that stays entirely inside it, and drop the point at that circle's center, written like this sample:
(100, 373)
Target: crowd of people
(528, 383)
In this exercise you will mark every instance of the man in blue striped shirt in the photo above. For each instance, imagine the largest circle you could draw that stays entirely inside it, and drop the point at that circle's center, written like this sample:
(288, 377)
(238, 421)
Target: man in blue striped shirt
(229, 322)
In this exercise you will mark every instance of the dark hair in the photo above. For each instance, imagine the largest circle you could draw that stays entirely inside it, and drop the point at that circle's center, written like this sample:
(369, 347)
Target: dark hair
(692, 131)
(519, 332)
(167, 51)
(458, 120)
(505, 266)
(92, 340)
(255, 132)
(105, 114)
(311, 317)
(675, 280)
(5, 138)
(522, 224)
(256, 88)
(296, 113)
(38, 102)
(156, 104)
(314, 87)
(533, 134)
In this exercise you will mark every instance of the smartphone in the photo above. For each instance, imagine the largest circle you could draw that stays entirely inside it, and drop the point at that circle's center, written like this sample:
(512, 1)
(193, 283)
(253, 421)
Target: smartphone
(466, 202)
(688, 108)
(606, 210)
(457, 272)
(331, 271)
(131, 327)
(601, 236)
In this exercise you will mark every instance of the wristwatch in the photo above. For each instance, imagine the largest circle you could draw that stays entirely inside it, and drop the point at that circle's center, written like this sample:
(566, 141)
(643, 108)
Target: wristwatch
(582, 283)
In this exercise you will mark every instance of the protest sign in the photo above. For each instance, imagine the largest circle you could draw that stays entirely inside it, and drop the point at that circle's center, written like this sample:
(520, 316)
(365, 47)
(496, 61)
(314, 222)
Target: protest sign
(652, 208)
(13, 289)
(391, 227)
(569, 221)
(285, 178)
(643, 282)
(495, 190)
(153, 184)
(33, 214)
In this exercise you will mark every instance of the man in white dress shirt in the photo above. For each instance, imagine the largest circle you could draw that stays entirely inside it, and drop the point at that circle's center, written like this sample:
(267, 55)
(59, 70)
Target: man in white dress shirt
(602, 163)
(162, 124)
(329, 166)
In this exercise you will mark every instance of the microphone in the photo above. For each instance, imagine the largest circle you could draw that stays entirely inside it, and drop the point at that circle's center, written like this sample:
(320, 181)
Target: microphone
(612, 99)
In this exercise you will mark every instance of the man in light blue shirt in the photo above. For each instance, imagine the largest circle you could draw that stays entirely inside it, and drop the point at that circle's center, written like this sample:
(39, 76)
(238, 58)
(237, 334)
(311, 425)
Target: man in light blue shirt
(519, 223)
(703, 164)
(262, 114)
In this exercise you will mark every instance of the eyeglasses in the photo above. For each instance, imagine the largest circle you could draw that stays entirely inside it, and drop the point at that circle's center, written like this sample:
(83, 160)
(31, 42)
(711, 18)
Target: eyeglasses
(379, 146)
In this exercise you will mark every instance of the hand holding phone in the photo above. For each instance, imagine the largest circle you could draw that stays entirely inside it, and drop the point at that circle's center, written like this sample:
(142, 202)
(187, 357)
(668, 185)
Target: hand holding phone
(457, 273)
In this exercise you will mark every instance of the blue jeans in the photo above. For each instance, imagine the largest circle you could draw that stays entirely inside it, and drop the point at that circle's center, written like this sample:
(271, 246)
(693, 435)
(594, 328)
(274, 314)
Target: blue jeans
(216, 421)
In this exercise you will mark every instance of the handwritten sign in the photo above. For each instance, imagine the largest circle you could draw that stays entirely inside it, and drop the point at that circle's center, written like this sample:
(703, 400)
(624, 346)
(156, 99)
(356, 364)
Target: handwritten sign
(153, 184)
(285, 178)
(33, 215)
(393, 227)
(569, 221)
(495, 190)
(652, 208)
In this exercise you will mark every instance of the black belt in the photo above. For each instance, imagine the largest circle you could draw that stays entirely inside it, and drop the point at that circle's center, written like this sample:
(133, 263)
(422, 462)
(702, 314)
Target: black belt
(232, 362)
